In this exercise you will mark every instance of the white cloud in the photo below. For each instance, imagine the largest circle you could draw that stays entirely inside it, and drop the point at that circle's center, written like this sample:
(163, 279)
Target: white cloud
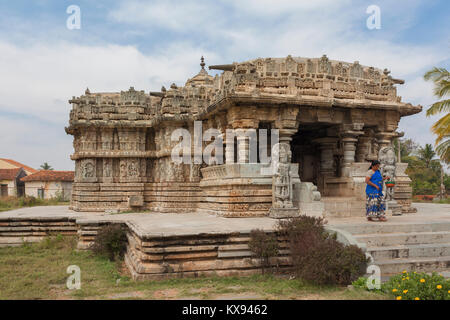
(167, 14)
(38, 80)
(32, 142)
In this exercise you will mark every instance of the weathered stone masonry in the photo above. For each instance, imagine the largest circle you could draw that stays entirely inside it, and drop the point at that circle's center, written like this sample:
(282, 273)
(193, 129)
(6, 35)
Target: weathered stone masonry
(334, 116)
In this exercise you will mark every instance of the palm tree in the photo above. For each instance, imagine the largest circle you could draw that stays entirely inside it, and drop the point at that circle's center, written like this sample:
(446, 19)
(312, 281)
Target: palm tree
(46, 166)
(441, 79)
(426, 154)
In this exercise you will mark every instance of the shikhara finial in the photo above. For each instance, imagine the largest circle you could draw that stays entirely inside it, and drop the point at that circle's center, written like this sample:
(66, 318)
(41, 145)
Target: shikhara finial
(202, 63)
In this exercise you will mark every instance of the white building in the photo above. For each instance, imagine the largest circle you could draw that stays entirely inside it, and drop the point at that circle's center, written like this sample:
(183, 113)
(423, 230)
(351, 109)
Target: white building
(47, 184)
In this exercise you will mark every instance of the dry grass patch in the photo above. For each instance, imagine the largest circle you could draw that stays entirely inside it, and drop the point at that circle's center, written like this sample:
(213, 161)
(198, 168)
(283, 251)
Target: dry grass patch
(38, 271)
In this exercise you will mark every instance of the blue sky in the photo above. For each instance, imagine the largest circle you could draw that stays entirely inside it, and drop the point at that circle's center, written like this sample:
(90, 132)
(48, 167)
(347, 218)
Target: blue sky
(147, 44)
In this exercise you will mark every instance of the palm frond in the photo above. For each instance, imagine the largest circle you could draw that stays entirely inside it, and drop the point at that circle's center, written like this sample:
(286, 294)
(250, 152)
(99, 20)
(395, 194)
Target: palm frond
(441, 128)
(437, 74)
(438, 107)
(443, 150)
(441, 88)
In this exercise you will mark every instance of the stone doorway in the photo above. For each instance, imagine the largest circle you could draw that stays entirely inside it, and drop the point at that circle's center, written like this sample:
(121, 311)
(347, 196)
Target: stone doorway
(306, 147)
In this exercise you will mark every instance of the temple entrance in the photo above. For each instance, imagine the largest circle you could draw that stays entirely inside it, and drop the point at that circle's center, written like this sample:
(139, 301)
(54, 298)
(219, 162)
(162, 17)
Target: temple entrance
(307, 153)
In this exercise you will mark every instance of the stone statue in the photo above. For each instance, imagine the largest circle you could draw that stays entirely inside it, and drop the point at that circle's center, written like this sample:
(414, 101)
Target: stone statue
(282, 178)
(123, 170)
(107, 169)
(132, 169)
(387, 158)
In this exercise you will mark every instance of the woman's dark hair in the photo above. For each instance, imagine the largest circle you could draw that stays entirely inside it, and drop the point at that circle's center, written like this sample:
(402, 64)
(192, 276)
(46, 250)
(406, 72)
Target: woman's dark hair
(374, 163)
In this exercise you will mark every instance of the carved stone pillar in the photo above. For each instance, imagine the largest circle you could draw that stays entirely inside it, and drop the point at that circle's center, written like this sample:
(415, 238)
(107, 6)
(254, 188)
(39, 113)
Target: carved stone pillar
(229, 149)
(326, 146)
(363, 148)
(243, 147)
(384, 139)
(349, 148)
(349, 135)
(285, 135)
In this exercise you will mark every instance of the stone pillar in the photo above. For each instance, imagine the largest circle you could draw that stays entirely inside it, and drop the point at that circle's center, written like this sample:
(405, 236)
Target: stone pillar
(243, 147)
(326, 146)
(285, 135)
(363, 148)
(229, 148)
(349, 134)
(349, 148)
(384, 139)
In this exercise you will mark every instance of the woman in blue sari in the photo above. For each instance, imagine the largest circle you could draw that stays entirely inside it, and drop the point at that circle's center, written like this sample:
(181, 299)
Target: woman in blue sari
(375, 206)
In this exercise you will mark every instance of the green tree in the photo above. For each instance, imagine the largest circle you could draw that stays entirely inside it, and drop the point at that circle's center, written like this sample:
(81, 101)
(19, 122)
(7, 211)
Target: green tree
(46, 166)
(426, 154)
(441, 80)
(423, 170)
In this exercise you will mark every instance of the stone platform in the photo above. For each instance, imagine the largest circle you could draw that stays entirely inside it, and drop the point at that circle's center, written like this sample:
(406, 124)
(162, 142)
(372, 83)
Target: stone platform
(164, 245)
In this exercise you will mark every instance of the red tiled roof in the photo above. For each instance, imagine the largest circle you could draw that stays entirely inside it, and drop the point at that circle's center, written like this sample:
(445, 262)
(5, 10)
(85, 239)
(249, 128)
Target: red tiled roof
(19, 165)
(9, 174)
(50, 175)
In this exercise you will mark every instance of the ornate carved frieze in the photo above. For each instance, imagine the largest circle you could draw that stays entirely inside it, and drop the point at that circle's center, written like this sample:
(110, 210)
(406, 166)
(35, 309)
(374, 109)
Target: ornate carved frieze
(122, 140)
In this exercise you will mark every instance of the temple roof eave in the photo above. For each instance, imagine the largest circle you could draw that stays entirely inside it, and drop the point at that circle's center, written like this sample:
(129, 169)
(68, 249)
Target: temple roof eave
(404, 109)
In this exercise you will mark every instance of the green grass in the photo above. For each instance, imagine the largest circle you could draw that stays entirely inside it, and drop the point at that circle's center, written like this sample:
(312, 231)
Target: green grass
(11, 203)
(38, 271)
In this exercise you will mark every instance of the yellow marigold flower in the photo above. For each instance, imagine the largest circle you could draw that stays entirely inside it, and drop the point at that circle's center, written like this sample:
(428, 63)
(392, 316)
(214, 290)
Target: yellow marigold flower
(403, 279)
(422, 280)
(407, 278)
(439, 286)
(416, 298)
(405, 291)
(399, 298)
(404, 271)
(394, 290)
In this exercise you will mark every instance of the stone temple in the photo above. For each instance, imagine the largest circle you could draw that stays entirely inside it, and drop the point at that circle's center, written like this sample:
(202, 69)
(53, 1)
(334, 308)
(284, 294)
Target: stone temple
(332, 118)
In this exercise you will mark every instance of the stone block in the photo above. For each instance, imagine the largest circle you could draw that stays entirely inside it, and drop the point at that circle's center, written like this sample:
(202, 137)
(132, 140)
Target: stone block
(136, 201)
(282, 213)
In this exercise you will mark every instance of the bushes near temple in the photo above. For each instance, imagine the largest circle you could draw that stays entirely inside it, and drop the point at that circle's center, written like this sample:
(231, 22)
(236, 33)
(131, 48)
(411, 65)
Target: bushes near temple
(264, 246)
(413, 286)
(110, 242)
(317, 256)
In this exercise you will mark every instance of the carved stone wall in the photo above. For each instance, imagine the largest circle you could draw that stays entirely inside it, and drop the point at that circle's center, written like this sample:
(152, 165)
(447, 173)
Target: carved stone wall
(122, 140)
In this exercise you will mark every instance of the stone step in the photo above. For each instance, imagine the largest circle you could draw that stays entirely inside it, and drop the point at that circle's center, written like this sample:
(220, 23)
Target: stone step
(383, 227)
(391, 239)
(342, 207)
(409, 251)
(424, 264)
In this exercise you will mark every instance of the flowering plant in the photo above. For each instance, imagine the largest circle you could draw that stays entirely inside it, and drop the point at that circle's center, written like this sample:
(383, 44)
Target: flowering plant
(415, 286)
